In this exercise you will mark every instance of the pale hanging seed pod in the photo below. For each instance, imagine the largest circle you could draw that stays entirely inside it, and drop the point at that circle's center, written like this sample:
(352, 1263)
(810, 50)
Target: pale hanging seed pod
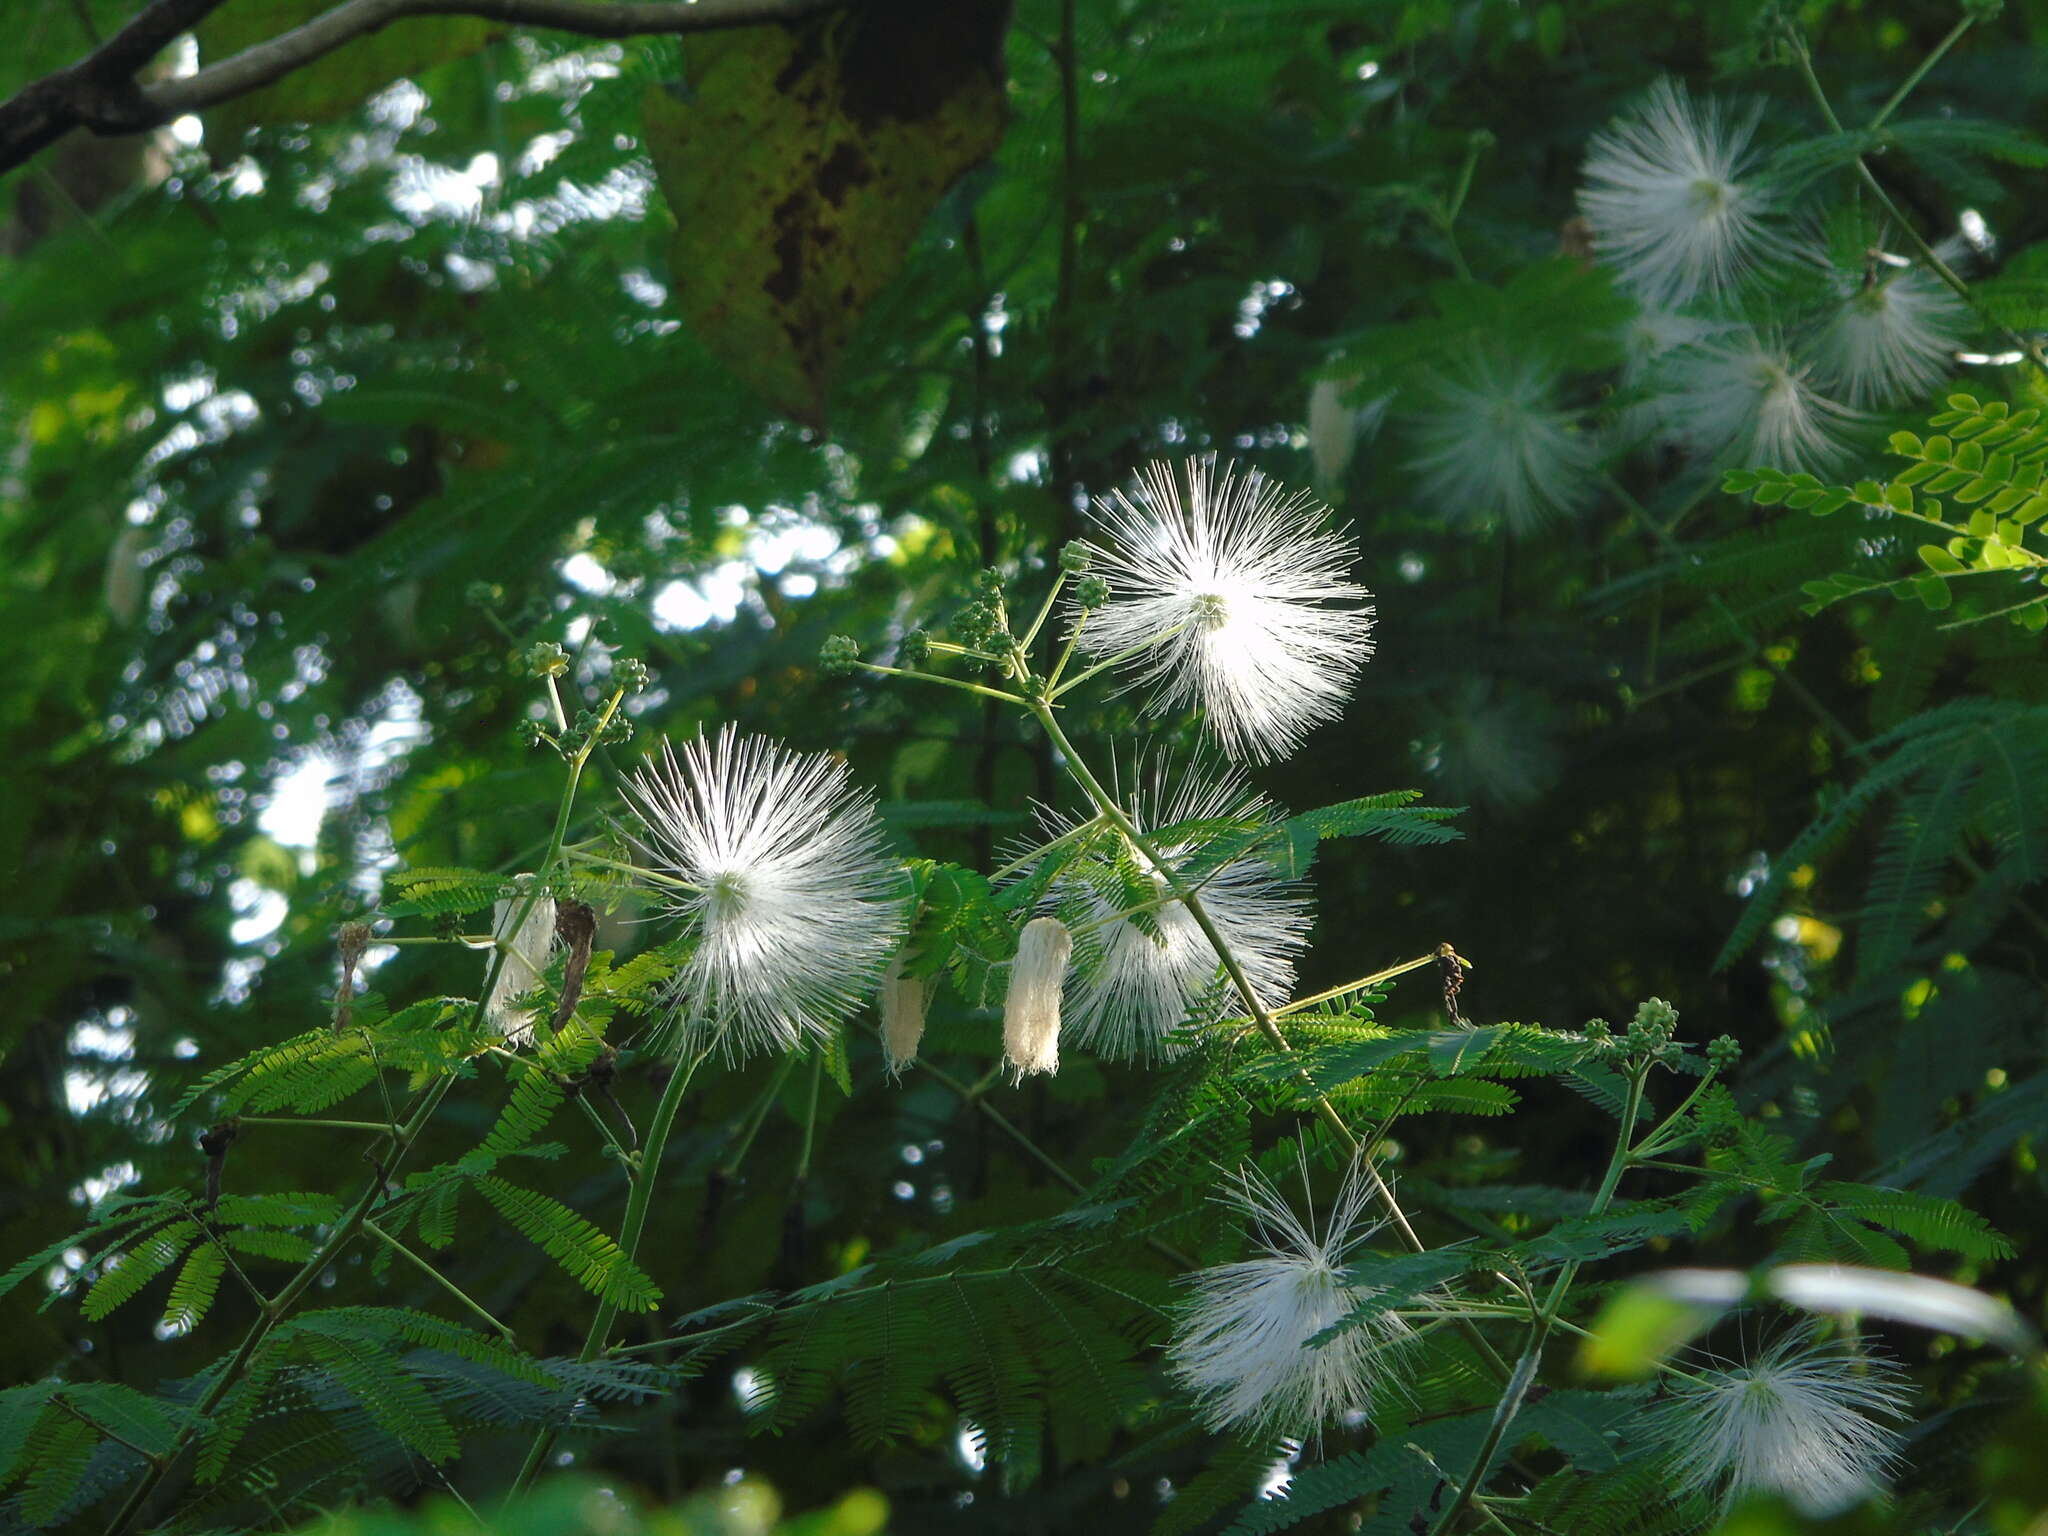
(1031, 1012)
(904, 1001)
(526, 954)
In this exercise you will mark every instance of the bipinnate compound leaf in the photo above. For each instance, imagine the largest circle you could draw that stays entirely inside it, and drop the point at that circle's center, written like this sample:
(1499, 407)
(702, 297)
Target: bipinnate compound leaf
(800, 162)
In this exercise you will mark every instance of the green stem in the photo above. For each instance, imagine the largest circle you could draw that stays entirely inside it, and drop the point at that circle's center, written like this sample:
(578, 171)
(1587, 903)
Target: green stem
(1059, 580)
(60, 1402)
(934, 677)
(1066, 651)
(638, 1202)
(1955, 35)
(331, 1125)
(1302, 1003)
(1110, 661)
(803, 1160)
(1524, 1375)
(731, 1165)
(1654, 1142)
(1043, 849)
(441, 1280)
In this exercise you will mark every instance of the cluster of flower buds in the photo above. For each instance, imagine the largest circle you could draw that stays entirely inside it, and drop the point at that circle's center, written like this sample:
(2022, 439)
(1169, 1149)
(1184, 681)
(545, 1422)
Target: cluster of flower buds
(984, 623)
(839, 655)
(1652, 1036)
(1653, 1032)
(547, 660)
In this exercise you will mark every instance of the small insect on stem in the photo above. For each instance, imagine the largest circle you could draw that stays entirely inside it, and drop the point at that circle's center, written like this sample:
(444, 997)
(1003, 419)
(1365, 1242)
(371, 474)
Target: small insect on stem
(352, 939)
(1452, 968)
(214, 1141)
(576, 926)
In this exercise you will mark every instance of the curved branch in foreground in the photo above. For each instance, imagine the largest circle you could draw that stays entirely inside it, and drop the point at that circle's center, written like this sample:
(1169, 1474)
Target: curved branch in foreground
(102, 94)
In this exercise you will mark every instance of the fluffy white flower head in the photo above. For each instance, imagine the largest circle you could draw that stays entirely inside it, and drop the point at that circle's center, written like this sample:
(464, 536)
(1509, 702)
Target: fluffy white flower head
(1892, 337)
(1494, 445)
(1751, 400)
(1800, 1420)
(1241, 1343)
(1233, 594)
(1664, 194)
(775, 863)
(1136, 979)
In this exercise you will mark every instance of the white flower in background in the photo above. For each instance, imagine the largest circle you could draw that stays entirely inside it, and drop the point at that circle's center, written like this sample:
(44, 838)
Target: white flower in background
(525, 957)
(1799, 1420)
(1241, 1343)
(1335, 427)
(1235, 597)
(1752, 401)
(1494, 444)
(776, 865)
(1138, 976)
(1031, 1008)
(1664, 194)
(1892, 337)
(1648, 342)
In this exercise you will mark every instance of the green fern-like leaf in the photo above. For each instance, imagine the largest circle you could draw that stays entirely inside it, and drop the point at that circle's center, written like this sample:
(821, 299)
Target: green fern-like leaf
(21, 1408)
(394, 1400)
(59, 1447)
(1928, 1220)
(193, 1291)
(123, 1282)
(539, 1092)
(592, 1259)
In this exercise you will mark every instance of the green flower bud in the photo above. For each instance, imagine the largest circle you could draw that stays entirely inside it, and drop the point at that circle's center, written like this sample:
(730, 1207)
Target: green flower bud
(631, 674)
(1075, 555)
(483, 594)
(545, 659)
(532, 732)
(914, 650)
(1091, 592)
(838, 655)
(1657, 1019)
(1724, 1052)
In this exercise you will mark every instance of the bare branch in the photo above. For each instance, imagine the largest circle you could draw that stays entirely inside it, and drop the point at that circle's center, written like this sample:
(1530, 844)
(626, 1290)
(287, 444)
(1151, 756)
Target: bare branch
(101, 93)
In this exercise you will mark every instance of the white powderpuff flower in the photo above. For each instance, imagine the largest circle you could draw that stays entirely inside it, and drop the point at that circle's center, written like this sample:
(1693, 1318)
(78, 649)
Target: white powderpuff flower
(1494, 444)
(525, 957)
(1241, 1343)
(904, 1000)
(1031, 1010)
(1750, 400)
(1664, 193)
(1798, 1420)
(1139, 977)
(776, 865)
(1892, 337)
(1648, 342)
(1232, 596)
